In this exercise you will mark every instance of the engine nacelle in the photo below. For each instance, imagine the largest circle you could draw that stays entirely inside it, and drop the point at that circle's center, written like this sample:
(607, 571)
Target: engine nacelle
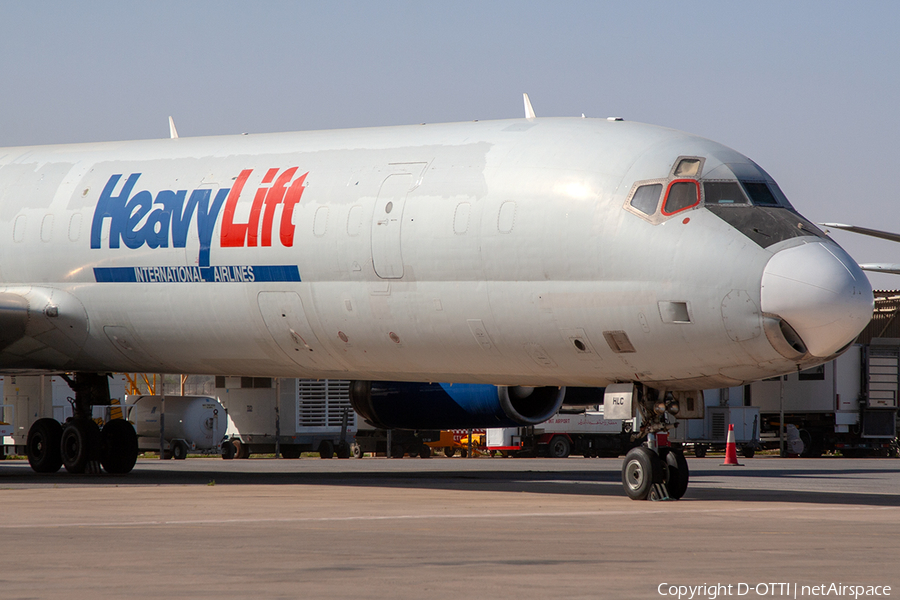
(398, 405)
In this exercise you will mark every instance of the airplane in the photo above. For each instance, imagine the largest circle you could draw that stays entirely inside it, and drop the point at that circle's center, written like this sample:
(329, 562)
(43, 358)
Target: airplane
(892, 268)
(530, 254)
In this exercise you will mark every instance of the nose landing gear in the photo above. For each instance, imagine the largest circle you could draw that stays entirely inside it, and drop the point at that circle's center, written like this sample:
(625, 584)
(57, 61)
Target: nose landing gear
(655, 470)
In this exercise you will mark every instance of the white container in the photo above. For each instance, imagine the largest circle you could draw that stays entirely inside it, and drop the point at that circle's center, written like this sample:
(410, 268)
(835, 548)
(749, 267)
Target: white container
(198, 420)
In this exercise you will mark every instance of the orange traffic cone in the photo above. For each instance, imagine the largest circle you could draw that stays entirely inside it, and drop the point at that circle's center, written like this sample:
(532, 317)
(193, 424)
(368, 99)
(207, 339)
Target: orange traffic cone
(731, 449)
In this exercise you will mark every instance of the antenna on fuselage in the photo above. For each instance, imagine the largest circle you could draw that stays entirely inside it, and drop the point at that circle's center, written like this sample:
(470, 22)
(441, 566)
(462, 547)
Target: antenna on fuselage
(529, 112)
(173, 133)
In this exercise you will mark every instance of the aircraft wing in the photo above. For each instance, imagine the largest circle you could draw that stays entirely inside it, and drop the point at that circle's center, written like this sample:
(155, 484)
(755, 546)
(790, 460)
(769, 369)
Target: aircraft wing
(892, 268)
(885, 235)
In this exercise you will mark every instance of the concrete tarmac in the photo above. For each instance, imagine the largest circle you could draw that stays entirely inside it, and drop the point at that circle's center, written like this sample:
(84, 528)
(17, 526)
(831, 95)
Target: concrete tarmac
(448, 529)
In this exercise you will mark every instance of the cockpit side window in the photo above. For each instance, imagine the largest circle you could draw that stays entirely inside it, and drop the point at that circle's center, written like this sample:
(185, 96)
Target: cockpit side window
(723, 192)
(681, 195)
(646, 198)
(779, 195)
(759, 193)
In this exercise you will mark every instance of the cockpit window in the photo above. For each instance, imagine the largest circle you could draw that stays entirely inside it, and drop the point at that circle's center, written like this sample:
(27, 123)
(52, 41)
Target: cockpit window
(646, 198)
(723, 192)
(682, 194)
(759, 193)
(688, 167)
(730, 187)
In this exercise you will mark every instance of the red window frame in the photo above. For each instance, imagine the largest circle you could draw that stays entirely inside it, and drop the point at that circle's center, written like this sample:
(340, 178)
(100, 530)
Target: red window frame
(669, 189)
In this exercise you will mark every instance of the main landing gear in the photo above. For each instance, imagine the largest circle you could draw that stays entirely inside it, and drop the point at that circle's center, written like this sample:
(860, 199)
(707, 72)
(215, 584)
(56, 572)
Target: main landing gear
(659, 473)
(80, 444)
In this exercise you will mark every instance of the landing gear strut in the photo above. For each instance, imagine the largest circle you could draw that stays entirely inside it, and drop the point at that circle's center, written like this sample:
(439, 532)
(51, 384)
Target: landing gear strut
(80, 444)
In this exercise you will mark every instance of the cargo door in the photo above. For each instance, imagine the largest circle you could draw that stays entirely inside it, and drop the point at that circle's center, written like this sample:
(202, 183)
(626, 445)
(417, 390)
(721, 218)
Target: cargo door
(287, 323)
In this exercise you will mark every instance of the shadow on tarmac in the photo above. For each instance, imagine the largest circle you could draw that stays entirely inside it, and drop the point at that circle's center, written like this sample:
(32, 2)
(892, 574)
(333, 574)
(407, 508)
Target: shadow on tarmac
(605, 483)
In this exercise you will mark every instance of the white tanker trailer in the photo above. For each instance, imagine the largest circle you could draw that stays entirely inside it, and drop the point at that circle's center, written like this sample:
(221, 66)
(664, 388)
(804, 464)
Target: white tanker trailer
(191, 423)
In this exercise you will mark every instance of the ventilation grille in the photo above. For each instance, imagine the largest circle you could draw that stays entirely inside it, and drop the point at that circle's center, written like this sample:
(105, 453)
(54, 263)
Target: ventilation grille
(323, 402)
(883, 377)
(718, 426)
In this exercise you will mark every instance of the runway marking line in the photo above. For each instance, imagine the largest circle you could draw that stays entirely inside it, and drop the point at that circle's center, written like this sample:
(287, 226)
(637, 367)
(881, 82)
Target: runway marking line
(602, 513)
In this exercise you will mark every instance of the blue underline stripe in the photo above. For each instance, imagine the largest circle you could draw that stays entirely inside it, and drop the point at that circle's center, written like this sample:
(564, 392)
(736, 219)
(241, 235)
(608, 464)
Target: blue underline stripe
(215, 274)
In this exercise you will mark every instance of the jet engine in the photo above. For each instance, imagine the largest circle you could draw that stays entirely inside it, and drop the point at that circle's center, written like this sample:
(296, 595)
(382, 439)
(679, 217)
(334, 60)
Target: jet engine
(398, 405)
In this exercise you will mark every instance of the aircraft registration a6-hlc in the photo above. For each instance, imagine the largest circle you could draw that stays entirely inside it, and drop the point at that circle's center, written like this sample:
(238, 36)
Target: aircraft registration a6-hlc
(528, 254)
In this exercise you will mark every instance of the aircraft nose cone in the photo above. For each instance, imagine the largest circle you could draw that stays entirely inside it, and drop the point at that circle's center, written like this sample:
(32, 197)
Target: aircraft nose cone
(820, 292)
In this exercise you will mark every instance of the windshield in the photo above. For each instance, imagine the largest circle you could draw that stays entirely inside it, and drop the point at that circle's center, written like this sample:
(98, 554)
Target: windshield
(758, 209)
(724, 192)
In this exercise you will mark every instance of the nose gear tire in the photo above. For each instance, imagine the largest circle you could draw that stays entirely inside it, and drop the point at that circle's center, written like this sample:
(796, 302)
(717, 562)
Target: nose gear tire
(641, 469)
(677, 473)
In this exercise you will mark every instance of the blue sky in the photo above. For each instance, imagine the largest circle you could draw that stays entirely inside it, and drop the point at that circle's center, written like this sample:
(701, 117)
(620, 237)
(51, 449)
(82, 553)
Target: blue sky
(809, 90)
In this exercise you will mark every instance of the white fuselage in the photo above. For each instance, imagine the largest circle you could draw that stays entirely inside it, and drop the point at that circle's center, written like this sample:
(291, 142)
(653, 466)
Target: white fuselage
(488, 252)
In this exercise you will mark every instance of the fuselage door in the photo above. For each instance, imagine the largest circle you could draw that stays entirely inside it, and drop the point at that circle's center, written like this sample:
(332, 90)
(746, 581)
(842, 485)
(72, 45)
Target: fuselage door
(386, 223)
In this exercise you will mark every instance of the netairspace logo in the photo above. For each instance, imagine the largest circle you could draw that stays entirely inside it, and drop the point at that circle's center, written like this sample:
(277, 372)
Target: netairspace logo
(780, 590)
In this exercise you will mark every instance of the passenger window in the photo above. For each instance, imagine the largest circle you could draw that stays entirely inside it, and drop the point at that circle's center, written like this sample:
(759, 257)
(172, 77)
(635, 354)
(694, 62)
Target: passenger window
(759, 193)
(723, 192)
(681, 195)
(646, 198)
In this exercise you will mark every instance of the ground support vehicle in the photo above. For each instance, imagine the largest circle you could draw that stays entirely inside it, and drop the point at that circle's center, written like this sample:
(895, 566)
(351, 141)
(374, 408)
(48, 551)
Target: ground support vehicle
(847, 405)
(290, 416)
(711, 431)
(472, 443)
(395, 443)
(177, 425)
(447, 443)
(456, 441)
(5, 430)
(585, 432)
